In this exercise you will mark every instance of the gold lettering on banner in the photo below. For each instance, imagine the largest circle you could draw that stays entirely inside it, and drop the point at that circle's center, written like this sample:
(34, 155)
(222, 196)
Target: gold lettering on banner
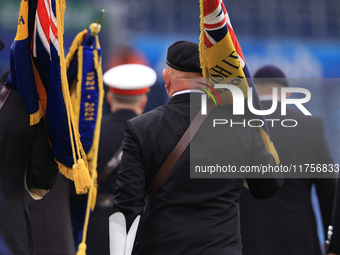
(90, 107)
(90, 82)
(225, 68)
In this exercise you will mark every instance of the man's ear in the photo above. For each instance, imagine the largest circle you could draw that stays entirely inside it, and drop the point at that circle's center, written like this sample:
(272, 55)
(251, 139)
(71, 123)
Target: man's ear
(143, 102)
(109, 98)
(166, 77)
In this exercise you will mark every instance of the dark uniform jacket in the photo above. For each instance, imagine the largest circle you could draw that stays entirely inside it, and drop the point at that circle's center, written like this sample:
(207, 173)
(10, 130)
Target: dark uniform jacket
(22, 148)
(186, 216)
(285, 223)
(111, 138)
(51, 220)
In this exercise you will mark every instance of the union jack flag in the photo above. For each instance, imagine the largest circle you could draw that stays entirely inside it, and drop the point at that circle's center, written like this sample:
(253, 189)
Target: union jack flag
(45, 27)
(46, 56)
(217, 25)
(222, 58)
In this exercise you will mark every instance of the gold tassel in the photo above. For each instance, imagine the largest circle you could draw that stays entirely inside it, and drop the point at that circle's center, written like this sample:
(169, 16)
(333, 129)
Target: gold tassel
(81, 249)
(81, 177)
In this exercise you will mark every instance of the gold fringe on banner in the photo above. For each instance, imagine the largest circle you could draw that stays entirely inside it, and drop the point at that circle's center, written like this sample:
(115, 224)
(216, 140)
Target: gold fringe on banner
(66, 171)
(201, 46)
(94, 150)
(78, 40)
(36, 117)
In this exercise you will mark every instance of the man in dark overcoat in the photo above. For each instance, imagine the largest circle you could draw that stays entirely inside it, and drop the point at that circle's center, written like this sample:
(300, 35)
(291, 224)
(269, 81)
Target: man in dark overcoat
(186, 215)
(285, 223)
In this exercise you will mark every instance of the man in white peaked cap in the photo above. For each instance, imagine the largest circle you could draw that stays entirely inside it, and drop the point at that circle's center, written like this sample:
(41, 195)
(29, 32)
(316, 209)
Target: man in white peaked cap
(127, 96)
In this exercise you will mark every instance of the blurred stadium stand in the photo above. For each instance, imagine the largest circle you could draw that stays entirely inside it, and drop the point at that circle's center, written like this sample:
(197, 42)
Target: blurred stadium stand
(260, 18)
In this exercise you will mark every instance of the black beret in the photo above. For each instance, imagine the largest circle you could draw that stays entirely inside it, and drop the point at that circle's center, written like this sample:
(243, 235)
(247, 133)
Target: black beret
(184, 56)
(270, 74)
(2, 44)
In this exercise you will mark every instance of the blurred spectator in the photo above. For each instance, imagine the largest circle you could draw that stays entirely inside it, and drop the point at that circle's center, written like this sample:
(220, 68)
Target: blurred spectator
(126, 55)
(286, 224)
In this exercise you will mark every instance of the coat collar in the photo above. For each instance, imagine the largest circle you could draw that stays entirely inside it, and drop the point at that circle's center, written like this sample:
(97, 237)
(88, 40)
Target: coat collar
(186, 97)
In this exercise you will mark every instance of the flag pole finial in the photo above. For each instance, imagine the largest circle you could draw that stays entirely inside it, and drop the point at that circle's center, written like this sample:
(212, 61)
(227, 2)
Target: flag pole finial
(101, 17)
(95, 27)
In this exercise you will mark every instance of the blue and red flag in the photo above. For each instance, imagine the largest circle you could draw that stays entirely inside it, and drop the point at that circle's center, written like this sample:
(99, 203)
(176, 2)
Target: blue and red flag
(222, 58)
(84, 73)
(37, 70)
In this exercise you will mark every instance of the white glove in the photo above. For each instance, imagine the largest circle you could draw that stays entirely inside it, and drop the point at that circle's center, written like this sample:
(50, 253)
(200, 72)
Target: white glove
(35, 193)
(120, 242)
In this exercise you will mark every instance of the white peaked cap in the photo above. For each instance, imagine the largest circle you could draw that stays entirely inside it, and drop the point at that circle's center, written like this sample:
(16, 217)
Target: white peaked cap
(130, 79)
